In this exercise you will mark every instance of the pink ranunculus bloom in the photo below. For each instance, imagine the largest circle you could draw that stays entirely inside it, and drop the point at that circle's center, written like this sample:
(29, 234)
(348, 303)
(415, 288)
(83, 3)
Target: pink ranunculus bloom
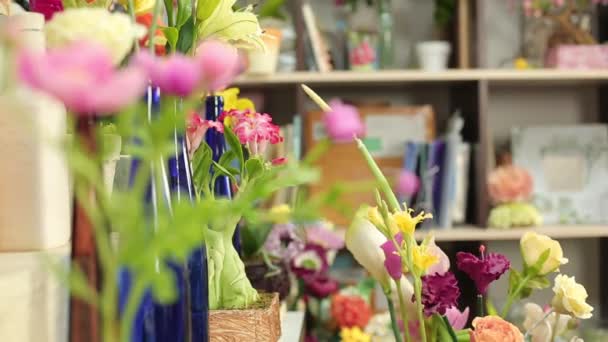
(509, 184)
(82, 76)
(392, 261)
(219, 63)
(176, 74)
(256, 131)
(342, 122)
(196, 129)
(408, 183)
(46, 7)
(483, 271)
(458, 320)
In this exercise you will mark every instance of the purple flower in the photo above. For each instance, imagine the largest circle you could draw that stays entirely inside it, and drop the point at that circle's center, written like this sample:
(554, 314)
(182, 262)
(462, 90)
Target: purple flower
(439, 292)
(457, 319)
(343, 122)
(482, 271)
(283, 242)
(320, 285)
(392, 261)
(177, 74)
(311, 261)
(324, 237)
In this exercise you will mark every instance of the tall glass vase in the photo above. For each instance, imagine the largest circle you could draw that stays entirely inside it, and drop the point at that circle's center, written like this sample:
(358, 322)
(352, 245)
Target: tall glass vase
(214, 106)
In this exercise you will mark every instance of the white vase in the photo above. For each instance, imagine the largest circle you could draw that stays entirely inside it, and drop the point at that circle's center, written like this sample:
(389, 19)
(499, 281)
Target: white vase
(35, 201)
(265, 62)
(433, 55)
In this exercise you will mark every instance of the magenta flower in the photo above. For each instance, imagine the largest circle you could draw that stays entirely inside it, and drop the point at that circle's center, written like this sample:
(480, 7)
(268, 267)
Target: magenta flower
(82, 76)
(342, 122)
(392, 261)
(283, 242)
(483, 271)
(219, 64)
(320, 285)
(458, 320)
(408, 183)
(324, 237)
(311, 261)
(439, 292)
(254, 130)
(177, 74)
(47, 7)
(279, 161)
(196, 129)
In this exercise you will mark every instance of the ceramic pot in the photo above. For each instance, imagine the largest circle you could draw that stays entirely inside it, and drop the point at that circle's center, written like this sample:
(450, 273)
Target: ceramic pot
(433, 55)
(265, 62)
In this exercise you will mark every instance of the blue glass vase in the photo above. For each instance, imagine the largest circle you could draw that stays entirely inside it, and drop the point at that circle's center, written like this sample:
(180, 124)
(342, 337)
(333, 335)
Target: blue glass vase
(214, 106)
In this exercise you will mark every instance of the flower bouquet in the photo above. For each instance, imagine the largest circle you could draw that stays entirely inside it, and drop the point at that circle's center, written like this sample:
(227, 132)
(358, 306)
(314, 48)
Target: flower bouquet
(381, 239)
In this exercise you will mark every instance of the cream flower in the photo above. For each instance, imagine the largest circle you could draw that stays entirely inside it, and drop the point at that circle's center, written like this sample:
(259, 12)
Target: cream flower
(543, 330)
(533, 245)
(570, 298)
(114, 31)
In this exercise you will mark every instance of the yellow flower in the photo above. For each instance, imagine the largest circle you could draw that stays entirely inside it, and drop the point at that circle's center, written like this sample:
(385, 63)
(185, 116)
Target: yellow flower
(354, 334)
(406, 223)
(113, 31)
(521, 63)
(232, 101)
(570, 298)
(280, 214)
(141, 6)
(423, 258)
(533, 245)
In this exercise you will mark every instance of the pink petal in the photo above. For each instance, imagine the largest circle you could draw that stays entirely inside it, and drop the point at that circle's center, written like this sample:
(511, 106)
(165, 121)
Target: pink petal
(457, 319)
(218, 63)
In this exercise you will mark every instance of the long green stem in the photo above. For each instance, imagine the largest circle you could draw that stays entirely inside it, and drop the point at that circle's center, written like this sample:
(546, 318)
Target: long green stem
(419, 308)
(513, 295)
(403, 309)
(131, 4)
(153, 26)
(391, 311)
(128, 318)
(109, 300)
(449, 328)
(383, 183)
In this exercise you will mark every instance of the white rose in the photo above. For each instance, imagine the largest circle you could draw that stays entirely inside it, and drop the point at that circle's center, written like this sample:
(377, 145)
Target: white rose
(570, 298)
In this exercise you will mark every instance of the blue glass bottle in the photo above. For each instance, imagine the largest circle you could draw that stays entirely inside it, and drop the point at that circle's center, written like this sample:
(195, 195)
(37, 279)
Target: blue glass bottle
(214, 106)
(180, 183)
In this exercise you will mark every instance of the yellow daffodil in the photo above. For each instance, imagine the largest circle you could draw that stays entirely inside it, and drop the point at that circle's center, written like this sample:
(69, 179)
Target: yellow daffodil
(406, 223)
(280, 214)
(423, 258)
(232, 100)
(354, 334)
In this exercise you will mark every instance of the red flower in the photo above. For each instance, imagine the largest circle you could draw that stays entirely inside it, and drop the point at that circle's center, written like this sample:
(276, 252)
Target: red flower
(159, 37)
(350, 311)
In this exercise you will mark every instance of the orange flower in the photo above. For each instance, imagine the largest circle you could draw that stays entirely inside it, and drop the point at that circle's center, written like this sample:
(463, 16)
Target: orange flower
(350, 311)
(159, 38)
(494, 328)
(509, 184)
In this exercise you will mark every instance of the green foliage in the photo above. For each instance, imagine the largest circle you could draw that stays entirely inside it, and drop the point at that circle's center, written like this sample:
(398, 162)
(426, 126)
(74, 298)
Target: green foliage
(185, 38)
(271, 9)
(444, 12)
(171, 34)
(184, 12)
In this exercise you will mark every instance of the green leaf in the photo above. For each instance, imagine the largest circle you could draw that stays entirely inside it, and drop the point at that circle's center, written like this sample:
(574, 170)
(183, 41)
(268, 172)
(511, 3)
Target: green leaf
(514, 280)
(271, 8)
(184, 11)
(171, 33)
(254, 167)
(205, 8)
(539, 282)
(163, 285)
(223, 171)
(201, 167)
(235, 145)
(169, 9)
(525, 292)
(227, 158)
(186, 36)
(366, 287)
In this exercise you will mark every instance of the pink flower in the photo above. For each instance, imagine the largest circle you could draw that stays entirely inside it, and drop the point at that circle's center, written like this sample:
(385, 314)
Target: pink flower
(219, 64)
(47, 7)
(408, 183)
(311, 261)
(196, 129)
(322, 236)
(343, 122)
(509, 184)
(255, 130)
(177, 74)
(83, 78)
(439, 292)
(483, 271)
(443, 265)
(279, 161)
(392, 260)
(320, 285)
(457, 319)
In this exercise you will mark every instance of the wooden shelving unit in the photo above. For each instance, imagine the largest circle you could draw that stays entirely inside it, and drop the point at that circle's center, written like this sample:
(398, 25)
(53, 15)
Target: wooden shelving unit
(472, 233)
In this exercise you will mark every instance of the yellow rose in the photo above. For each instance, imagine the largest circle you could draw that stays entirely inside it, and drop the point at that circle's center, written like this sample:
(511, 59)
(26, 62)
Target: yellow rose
(570, 298)
(114, 31)
(406, 223)
(533, 245)
(423, 258)
(141, 6)
(354, 334)
(280, 214)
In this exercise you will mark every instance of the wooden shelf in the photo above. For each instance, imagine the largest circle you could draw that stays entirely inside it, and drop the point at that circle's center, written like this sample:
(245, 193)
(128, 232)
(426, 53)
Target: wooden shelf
(471, 233)
(493, 76)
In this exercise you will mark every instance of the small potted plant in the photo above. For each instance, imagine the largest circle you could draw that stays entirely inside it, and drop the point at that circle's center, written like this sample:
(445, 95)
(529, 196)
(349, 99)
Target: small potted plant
(434, 55)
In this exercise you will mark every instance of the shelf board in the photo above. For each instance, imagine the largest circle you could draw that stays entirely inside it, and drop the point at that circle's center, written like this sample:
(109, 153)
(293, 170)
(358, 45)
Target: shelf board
(471, 233)
(493, 76)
